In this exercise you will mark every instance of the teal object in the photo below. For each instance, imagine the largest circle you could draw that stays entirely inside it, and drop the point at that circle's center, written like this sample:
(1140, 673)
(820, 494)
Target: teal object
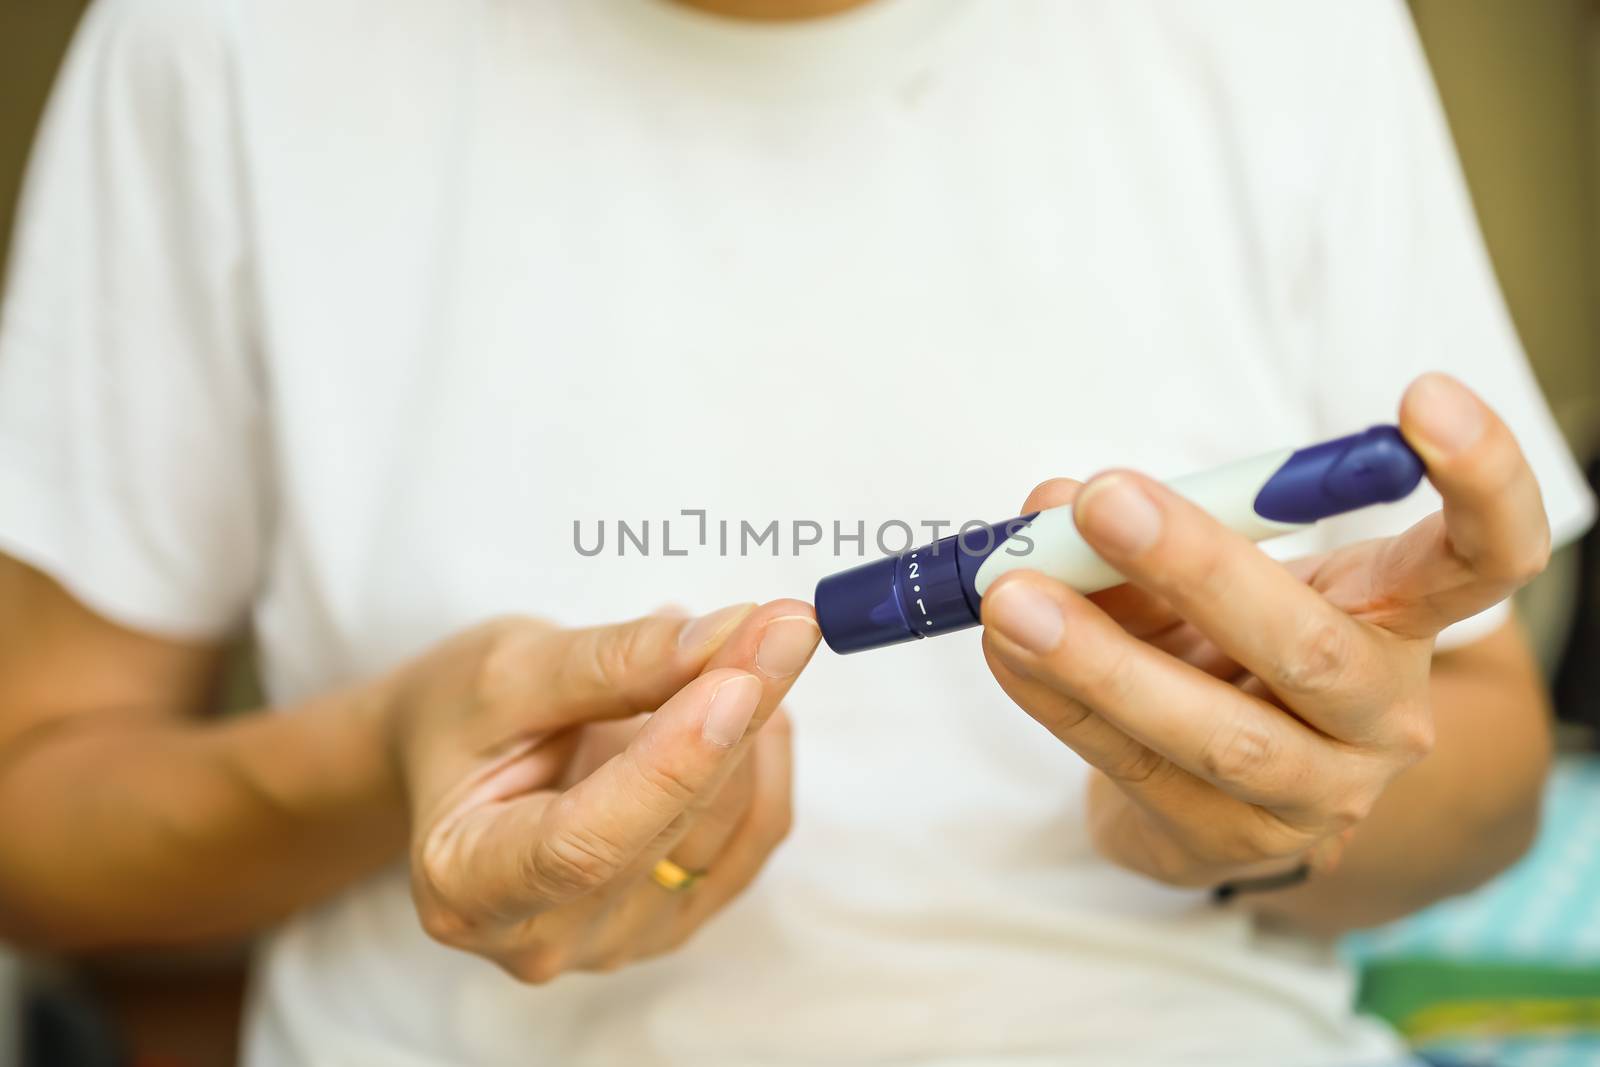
(1508, 974)
(1544, 910)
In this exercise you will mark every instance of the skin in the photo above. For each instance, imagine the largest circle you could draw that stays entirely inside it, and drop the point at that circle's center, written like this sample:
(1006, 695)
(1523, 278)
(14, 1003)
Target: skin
(1245, 717)
(511, 761)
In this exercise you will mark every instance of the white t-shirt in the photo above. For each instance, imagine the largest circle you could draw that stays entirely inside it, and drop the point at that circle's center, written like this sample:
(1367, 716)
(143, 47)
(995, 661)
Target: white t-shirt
(337, 315)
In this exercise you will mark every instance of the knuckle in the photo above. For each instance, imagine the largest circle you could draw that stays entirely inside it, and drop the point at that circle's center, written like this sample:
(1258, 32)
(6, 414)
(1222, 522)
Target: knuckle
(1530, 562)
(441, 919)
(502, 669)
(570, 864)
(613, 659)
(1063, 717)
(1317, 659)
(432, 868)
(538, 966)
(444, 924)
(1415, 735)
(610, 656)
(1139, 765)
(1240, 749)
(1350, 808)
(666, 785)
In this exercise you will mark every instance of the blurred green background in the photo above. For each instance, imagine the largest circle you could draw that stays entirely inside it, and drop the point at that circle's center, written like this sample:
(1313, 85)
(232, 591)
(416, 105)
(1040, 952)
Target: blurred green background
(1521, 83)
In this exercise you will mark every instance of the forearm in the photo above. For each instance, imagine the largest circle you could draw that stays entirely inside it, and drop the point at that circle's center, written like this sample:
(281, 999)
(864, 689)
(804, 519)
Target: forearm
(1458, 817)
(154, 831)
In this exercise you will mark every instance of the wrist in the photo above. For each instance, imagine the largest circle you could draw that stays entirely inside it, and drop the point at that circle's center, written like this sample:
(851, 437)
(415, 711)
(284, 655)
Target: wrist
(375, 718)
(340, 757)
(371, 708)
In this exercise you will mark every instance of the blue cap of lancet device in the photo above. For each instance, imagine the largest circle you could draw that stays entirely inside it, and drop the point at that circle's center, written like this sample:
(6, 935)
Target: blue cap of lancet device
(923, 592)
(1375, 466)
(858, 609)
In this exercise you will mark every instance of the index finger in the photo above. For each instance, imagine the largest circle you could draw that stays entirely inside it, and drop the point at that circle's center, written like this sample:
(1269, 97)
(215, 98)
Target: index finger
(1141, 613)
(594, 831)
(1304, 649)
(1492, 536)
(622, 669)
(635, 806)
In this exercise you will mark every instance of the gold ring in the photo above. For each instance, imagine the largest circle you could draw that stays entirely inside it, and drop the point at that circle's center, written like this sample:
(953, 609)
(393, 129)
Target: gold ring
(673, 878)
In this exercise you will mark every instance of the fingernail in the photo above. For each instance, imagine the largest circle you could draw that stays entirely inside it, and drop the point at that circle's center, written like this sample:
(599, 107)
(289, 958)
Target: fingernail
(1027, 616)
(1444, 411)
(732, 706)
(1117, 514)
(707, 628)
(786, 645)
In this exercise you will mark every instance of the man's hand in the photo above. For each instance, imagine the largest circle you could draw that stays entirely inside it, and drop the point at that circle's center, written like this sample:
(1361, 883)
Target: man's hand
(541, 802)
(1245, 715)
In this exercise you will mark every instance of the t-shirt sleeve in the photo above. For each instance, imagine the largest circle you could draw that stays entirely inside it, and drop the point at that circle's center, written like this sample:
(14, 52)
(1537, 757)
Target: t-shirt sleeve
(131, 455)
(1405, 284)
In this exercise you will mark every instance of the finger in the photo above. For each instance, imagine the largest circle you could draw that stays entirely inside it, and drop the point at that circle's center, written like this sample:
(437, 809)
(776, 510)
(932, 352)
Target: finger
(705, 840)
(763, 828)
(1188, 644)
(774, 642)
(1494, 512)
(596, 743)
(547, 849)
(1493, 534)
(648, 920)
(622, 669)
(637, 806)
(1319, 660)
(1048, 634)
(1139, 612)
(1054, 493)
(1192, 834)
(1074, 723)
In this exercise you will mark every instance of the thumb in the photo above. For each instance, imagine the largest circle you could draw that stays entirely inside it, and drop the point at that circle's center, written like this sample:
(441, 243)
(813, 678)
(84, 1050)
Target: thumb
(541, 850)
(615, 671)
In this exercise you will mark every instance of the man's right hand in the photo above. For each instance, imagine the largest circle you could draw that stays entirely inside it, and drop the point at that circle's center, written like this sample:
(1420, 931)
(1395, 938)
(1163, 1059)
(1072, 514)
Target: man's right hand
(513, 859)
